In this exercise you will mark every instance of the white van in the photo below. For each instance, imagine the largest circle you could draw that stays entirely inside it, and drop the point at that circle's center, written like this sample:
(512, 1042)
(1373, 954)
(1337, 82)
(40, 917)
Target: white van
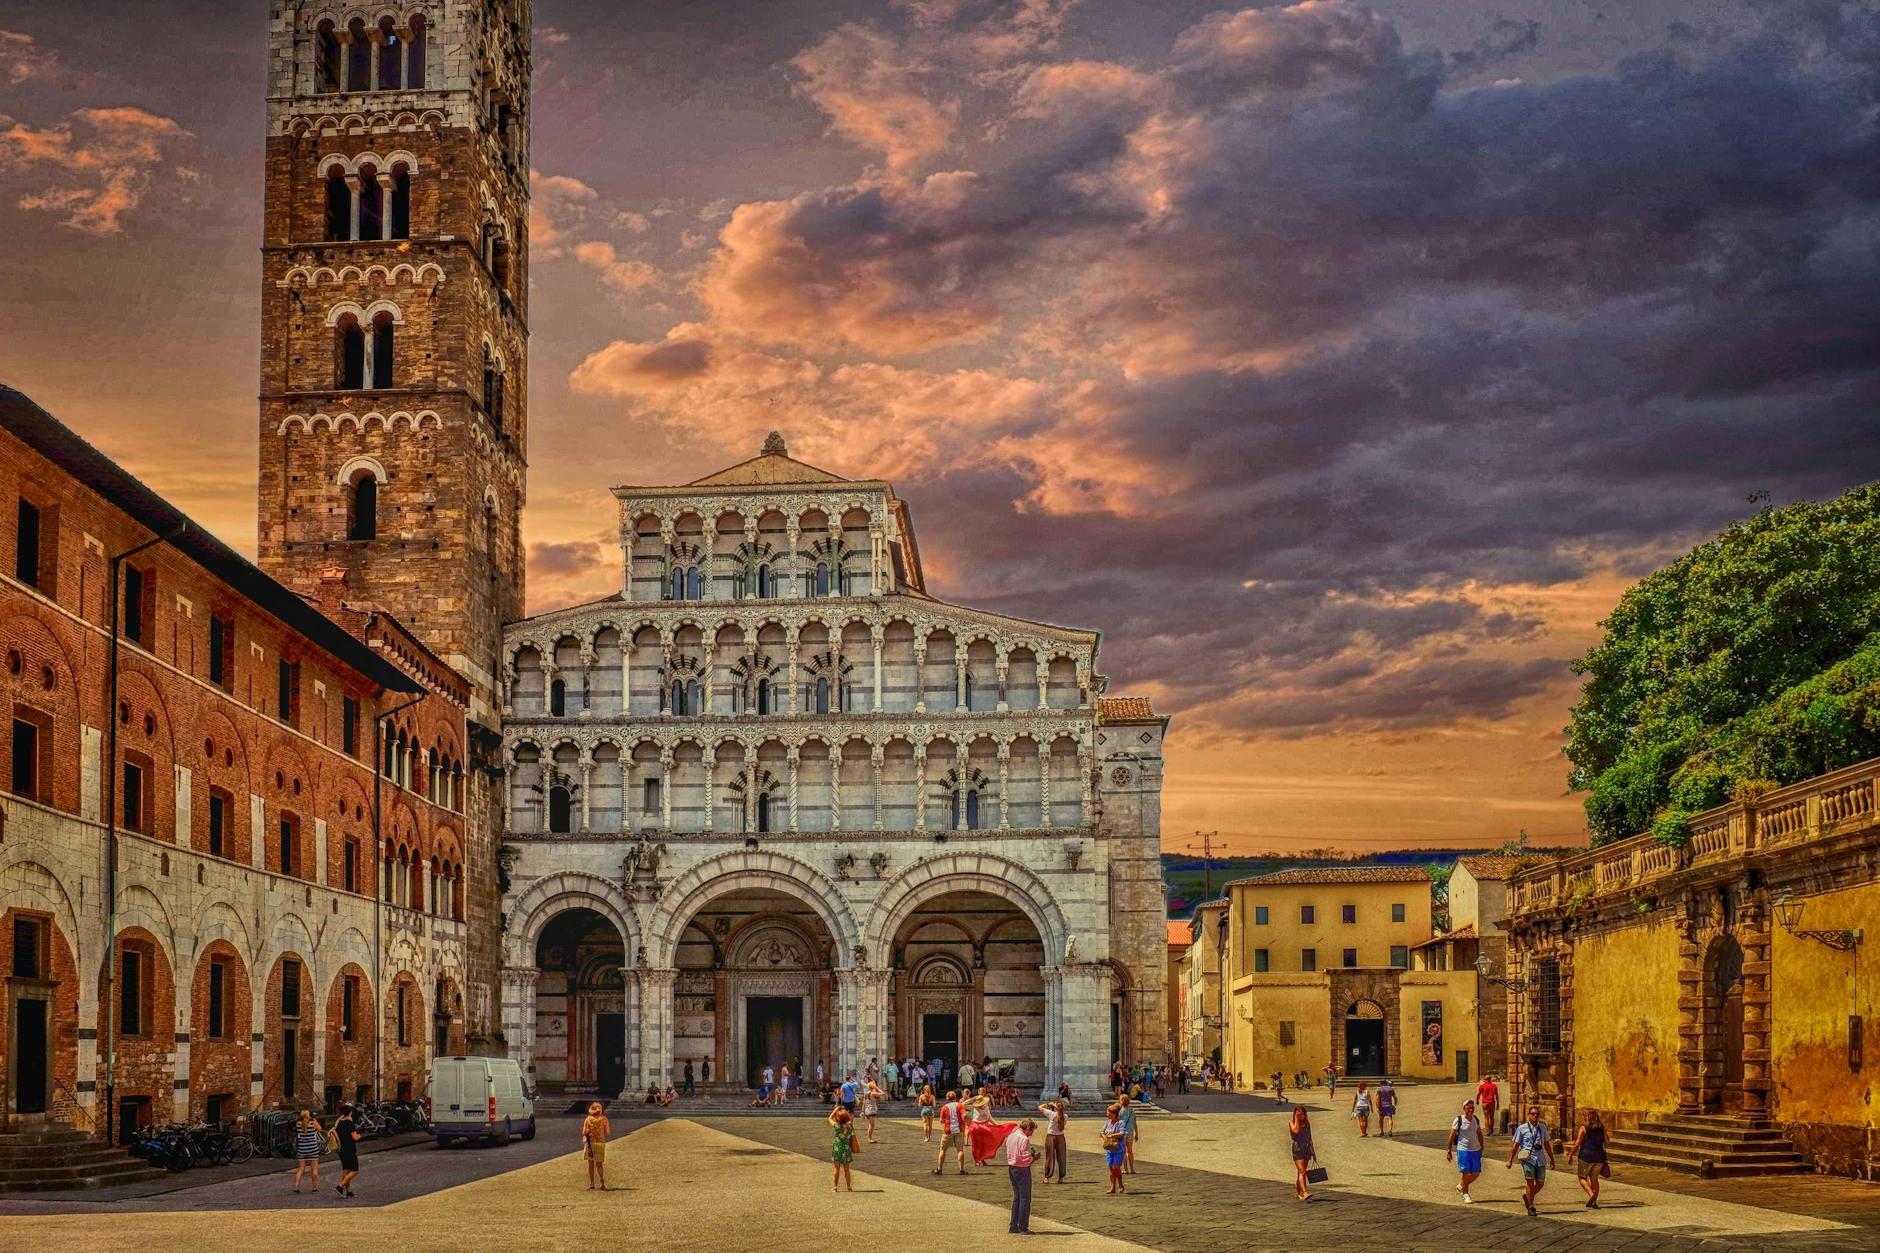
(480, 1098)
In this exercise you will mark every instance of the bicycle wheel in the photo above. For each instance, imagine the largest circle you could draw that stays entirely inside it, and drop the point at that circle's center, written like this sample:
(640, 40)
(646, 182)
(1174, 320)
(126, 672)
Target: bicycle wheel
(240, 1149)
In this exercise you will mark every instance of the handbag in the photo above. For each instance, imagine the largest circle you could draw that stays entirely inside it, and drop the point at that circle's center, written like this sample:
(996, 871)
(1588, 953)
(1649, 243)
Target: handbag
(855, 1145)
(1318, 1174)
(1605, 1170)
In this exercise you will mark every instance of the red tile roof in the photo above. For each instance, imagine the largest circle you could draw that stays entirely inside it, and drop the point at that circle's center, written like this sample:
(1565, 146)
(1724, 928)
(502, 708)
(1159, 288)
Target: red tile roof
(1123, 708)
(1178, 933)
(1337, 874)
(1498, 866)
(1465, 932)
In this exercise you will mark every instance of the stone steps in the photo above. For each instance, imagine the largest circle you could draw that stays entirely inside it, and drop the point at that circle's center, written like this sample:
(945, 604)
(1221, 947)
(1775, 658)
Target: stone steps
(61, 1159)
(1710, 1145)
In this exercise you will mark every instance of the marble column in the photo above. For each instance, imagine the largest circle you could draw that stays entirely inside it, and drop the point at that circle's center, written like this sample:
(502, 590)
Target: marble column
(1005, 780)
(1083, 1024)
(587, 790)
(861, 1018)
(518, 1011)
(796, 760)
(876, 759)
(920, 787)
(656, 1027)
(920, 674)
(665, 789)
(959, 677)
(876, 707)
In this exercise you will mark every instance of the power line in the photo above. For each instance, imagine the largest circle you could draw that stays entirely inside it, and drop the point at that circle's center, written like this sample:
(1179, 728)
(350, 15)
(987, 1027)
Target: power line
(1206, 849)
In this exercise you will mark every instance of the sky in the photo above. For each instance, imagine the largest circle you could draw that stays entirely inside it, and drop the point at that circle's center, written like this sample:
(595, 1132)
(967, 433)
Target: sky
(1341, 364)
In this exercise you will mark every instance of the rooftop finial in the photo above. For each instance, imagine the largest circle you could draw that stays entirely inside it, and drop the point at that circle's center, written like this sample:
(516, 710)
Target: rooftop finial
(774, 445)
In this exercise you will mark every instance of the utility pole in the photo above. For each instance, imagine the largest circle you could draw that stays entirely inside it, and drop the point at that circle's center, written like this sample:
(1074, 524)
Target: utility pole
(1206, 849)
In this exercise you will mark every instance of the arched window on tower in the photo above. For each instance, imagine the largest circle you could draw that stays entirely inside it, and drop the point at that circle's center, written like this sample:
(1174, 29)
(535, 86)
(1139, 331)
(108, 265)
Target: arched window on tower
(339, 206)
(691, 697)
(822, 696)
(382, 350)
(499, 262)
(391, 56)
(763, 812)
(401, 203)
(694, 586)
(326, 59)
(351, 354)
(558, 698)
(358, 57)
(676, 704)
(362, 505)
(371, 204)
(763, 696)
(489, 386)
(822, 578)
(559, 810)
(414, 53)
(966, 799)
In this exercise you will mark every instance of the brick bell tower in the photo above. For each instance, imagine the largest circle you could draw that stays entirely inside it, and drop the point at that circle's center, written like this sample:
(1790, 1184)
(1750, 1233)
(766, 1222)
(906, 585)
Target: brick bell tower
(394, 315)
(394, 340)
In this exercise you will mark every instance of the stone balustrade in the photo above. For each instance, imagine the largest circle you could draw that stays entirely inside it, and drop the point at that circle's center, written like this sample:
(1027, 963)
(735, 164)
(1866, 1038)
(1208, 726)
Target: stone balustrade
(1823, 807)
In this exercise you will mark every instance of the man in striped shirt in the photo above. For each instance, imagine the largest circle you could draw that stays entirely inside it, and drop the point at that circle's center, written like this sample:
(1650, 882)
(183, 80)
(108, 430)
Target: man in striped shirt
(952, 1134)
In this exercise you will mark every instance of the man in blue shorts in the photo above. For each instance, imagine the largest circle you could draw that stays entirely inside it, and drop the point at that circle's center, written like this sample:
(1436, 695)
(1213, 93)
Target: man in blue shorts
(850, 1090)
(1465, 1146)
(1534, 1146)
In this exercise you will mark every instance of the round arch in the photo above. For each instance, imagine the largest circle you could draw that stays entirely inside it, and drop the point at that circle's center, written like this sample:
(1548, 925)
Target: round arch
(546, 898)
(964, 872)
(743, 869)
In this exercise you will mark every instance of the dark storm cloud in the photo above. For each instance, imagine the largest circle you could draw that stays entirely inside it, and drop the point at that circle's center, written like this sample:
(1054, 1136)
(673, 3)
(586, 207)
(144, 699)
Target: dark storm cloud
(1338, 338)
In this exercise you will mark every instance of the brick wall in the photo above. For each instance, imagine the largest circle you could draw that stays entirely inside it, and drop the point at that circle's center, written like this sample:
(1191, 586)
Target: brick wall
(275, 1026)
(146, 1061)
(349, 1061)
(62, 975)
(220, 1065)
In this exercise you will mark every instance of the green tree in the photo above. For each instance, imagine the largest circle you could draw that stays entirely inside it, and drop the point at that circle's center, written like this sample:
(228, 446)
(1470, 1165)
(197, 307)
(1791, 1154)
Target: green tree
(1753, 661)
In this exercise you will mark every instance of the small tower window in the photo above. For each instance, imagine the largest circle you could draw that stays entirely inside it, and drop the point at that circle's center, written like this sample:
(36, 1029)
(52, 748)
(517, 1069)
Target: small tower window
(558, 699)
(763, 696)
(677, 702)
(401, 205)
(763, 812)
(822, 578)
(339, 207)
(358, 57)
(414, 54)
(326, 59)
(352, 354)
(382, 351)
(822, 696)
(391, 56)
(362, 506)
(371, 205)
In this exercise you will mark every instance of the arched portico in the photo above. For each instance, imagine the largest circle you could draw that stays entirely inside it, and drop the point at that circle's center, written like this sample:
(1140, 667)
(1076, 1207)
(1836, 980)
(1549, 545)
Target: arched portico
(749, 869)
(964, 872)
(571, 995)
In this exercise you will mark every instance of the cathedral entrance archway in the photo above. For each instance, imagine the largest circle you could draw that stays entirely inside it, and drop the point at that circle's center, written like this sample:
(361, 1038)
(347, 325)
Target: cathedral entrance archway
(580, 1004)
(1365, 1040)
(969, 984)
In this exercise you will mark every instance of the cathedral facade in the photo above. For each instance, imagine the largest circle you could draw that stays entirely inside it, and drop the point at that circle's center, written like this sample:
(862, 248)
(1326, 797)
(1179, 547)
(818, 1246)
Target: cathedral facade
(773, 801)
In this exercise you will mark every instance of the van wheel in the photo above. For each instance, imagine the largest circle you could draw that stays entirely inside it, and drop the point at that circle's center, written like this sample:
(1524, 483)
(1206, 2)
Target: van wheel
(528, 1133)
(508, 1134)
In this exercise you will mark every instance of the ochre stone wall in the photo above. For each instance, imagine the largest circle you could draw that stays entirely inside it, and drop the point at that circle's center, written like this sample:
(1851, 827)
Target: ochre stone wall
(1257, 1007)
(1625, 1021)
(1824, 1105)
(1455, 992)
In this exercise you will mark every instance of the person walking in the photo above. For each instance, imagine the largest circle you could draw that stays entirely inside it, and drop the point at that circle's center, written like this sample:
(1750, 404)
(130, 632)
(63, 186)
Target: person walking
(985, 1135)
(851, 1092)
(690, 1087)
(594, 1132)
(1299, 1130)
(1181, 1080)
(1534, 1146)
(1114, 1141)
(1361, 1107)
(1487, 1097)
(926, 1112)
(1590, 1147)
(1387, 1109)
(1465, 1149)
(1056, 1152)
(892, 1071)
(871, 1107)
(346, 1132)
(1018, 1160)
(309, 1140)
(1127, 1116)
(705, 1071)
(1331, 1078)
(968, 1076)
(952, 1133)
(842, 1150)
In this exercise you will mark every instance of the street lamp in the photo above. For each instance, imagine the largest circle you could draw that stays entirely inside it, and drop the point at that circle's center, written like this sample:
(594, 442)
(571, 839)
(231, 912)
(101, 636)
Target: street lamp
(1789, 913)
(1482, 968)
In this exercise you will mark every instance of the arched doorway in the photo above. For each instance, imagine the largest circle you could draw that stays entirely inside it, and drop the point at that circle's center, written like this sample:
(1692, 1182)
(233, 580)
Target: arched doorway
(581, 1004)
(755, 988)
(1365, 1045)
(1723, 1025)
(968, 984)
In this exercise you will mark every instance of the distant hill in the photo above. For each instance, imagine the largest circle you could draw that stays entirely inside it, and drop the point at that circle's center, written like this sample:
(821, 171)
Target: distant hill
(1183, 874)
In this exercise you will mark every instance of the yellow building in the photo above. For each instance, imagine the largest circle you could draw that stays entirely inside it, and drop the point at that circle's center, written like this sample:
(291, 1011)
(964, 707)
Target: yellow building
(1198, 977)
(1318, 971)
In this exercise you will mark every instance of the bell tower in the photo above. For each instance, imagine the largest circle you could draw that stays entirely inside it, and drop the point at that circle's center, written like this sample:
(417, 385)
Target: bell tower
(394, 315)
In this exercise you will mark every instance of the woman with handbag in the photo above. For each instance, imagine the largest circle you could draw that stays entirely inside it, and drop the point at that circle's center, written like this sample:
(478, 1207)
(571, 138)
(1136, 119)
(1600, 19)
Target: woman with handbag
(1303, 1154)
(1114, 1140)
(1590, 1147)
(842, 1151)
(309, 1140)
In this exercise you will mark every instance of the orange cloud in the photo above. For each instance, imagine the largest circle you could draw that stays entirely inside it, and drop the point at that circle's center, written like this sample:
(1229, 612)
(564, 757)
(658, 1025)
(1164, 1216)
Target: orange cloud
(96, 169)
(557, 204)
(618, 272)
(869, 89)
